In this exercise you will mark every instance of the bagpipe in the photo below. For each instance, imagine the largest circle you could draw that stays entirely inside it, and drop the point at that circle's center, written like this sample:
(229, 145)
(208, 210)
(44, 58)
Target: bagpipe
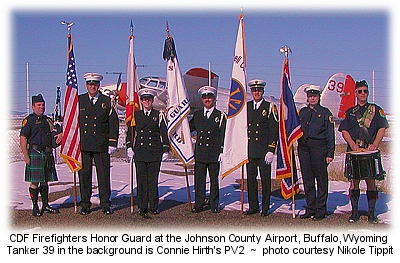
(56, 128)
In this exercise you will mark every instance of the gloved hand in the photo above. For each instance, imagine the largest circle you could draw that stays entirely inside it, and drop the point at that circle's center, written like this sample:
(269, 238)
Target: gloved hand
(220, 157)
(129, 153)
(269, 157)
(111, 149)
(164, 157)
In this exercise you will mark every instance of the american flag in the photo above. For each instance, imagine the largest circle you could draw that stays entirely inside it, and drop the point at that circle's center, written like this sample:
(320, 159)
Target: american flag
(289, 131)
(70, 145)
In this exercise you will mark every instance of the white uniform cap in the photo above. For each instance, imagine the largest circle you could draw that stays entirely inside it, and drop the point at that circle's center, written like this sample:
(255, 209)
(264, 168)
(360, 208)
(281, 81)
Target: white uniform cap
(207, 90)
(313, 89)
(256, 83)
(146, 92)
(93, 77)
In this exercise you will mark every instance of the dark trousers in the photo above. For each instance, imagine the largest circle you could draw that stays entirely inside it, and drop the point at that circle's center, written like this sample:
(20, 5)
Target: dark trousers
(200, 173)
(253, 166)
(102, 163)
(147, 184)
(314, 169)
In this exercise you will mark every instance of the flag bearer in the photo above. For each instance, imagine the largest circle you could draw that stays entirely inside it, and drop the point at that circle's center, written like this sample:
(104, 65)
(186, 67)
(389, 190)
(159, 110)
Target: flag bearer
(37, 139)
(316, 151)
(262, 121)
(99, 129)
(209, 123)
(151, 146)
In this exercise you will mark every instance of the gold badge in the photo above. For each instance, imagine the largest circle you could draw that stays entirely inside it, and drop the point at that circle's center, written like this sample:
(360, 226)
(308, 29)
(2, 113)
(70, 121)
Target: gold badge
(264, 112)
(103, 105)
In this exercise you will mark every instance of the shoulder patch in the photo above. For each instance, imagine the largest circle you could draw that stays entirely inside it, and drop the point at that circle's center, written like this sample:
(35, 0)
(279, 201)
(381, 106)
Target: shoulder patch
(331, 118)
(24, 122)
(382, 113)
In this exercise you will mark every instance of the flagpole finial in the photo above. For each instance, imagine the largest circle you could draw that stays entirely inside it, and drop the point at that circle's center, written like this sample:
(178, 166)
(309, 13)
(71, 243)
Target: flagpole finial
(285, 50)
(241, 16)
(131, 28)
(167, 28)
(68, 24)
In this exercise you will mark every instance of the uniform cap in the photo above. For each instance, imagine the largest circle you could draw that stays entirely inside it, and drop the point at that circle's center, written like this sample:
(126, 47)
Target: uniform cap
(256, 84)
(207, 91)
(147, 93)
(313, 89)
(93, 77)
(37, 98)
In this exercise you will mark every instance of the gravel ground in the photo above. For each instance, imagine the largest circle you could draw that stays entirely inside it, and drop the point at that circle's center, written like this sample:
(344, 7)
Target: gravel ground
(178, 216)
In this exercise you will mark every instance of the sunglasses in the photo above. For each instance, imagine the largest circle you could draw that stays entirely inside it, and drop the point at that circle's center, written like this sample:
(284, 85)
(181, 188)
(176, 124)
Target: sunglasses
(362, 90)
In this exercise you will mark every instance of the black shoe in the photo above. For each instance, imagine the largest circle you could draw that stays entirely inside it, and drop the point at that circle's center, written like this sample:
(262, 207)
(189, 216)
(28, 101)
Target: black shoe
(35, 210)
(108, 211)
(307, 215)
(353, 218)
(265, 213)
(197, 210)
(215, 210)
(251, 212)
(48, 209)
(144, 215)
(318, 218)
(85, 211)
(372, 219)
(154, 211)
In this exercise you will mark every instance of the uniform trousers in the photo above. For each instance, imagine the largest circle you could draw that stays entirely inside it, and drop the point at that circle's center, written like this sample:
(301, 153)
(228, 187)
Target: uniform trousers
(253, 166)
(312, 157)
(147, 184)
(102, 163)
(200, 173)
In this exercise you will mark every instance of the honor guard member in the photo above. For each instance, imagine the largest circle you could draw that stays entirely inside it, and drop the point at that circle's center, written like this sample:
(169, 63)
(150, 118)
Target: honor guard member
(99, 129)
(151, 146)
(363, 128)
(209, 123)
(316, 150)
(262, 121)
(38, 136)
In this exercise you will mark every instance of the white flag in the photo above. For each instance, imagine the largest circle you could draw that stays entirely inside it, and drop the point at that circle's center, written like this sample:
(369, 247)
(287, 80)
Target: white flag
(235, 142)
(178, 108)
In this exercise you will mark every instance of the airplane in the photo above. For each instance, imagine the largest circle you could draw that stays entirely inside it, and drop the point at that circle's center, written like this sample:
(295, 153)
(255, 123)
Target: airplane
(337, 95)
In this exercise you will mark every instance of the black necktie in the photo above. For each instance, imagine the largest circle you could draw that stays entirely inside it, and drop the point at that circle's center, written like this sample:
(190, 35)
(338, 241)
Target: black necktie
(206, 115)
(92, 100)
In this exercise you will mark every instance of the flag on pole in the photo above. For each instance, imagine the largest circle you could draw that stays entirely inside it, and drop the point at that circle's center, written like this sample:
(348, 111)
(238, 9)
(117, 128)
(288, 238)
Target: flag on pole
(289, 131)
(178, 106)
(235, 142)
(70, 144)
(132, 85)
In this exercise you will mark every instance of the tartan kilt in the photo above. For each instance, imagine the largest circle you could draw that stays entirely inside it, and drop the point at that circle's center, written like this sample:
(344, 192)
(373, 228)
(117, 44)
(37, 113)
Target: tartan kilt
(42, 167)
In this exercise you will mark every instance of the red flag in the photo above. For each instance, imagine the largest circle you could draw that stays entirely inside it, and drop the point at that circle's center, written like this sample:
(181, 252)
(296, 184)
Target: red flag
(132, 86)
(70, 144)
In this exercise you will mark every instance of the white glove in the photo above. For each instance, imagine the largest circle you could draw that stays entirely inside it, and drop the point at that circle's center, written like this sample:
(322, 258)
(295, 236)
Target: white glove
(269, 157)
(111, 149)
(164, 157)
(129, 153)
(220, 157)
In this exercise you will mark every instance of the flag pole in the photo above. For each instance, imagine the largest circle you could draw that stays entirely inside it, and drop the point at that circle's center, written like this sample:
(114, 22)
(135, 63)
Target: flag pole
(75, 194)
(132, 186)
(242, 191)
(292, 175)
(188, 188)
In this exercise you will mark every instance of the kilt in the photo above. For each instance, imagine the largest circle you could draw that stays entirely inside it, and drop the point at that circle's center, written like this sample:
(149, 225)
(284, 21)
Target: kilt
(42, 167)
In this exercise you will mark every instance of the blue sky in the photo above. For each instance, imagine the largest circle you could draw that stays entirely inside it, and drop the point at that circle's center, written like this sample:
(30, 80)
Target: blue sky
(323, 42)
